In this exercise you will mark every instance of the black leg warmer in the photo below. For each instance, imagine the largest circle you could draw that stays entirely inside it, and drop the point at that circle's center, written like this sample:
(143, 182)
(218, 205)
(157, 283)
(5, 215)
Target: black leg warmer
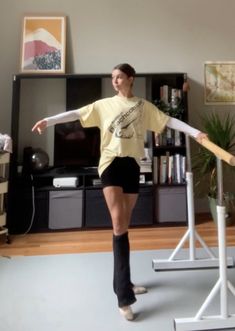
(122, 279)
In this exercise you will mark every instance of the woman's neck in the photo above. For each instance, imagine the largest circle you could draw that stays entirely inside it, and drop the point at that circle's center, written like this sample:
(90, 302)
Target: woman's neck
(125, 94)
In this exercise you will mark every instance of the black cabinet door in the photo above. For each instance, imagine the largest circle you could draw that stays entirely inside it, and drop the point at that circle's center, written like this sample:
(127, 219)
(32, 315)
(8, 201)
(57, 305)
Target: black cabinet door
(29, 211)
(96, 210)
(97, 214)
(143, 211)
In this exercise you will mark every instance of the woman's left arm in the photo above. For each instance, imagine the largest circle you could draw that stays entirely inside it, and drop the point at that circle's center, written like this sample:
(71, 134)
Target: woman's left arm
(174, 123)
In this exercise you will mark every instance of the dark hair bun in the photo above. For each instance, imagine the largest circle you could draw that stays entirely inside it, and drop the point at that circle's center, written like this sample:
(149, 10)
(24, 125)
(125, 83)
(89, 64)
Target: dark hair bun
(126, 68)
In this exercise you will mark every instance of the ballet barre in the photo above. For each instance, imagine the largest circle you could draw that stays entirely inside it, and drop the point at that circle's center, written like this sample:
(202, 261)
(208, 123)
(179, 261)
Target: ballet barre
(218, 151)
(194, 261)
(224, 320)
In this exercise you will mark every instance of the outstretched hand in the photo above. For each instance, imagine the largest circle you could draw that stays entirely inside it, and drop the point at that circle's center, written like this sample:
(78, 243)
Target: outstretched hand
(201, 136)
(40, 126)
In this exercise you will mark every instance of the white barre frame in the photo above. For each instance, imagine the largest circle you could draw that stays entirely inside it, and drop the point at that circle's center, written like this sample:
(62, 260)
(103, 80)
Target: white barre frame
(193, 262)
(224, 320)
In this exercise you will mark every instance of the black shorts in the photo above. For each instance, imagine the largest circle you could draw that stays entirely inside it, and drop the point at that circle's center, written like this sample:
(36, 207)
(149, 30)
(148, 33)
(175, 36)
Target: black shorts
(123, 172)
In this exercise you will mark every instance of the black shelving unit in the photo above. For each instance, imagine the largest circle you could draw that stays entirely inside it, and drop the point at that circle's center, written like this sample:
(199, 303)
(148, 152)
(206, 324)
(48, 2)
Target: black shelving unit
(80, 90)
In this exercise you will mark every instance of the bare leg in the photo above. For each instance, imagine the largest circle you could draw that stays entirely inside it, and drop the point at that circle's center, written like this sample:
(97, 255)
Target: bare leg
(120, 206)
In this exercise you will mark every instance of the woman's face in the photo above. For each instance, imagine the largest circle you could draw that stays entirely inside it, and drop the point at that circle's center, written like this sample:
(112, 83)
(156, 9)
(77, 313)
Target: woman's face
(120, 81)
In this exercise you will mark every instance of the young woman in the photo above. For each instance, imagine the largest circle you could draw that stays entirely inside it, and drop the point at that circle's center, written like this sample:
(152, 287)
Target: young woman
(123, 121)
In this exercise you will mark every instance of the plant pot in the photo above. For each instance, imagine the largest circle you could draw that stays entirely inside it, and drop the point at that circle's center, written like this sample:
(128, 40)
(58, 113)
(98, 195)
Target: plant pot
(229, 200)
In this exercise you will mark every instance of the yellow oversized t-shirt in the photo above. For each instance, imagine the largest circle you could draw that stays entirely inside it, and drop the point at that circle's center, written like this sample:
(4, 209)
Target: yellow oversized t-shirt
(123, 123)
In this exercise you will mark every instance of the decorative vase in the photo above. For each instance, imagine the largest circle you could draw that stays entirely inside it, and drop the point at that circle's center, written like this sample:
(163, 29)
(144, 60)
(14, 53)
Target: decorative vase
(229, 200)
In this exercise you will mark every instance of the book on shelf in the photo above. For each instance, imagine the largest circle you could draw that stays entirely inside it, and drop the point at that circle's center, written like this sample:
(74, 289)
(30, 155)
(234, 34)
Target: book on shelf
(169, 137)
(170, 169)
(163, 169)
(155, 169)
(183, 168)
(177, 138)
(164, 94)
(177, 169)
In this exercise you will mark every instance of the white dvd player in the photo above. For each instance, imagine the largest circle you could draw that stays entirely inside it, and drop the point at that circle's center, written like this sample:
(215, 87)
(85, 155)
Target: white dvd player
(65, 182)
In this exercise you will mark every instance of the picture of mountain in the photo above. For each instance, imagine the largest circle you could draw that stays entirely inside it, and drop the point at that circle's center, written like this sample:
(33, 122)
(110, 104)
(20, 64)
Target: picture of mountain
(43, 46)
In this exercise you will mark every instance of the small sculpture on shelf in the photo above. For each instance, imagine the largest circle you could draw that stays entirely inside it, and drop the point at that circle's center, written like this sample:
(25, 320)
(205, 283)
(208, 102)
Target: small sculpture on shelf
(174, 108)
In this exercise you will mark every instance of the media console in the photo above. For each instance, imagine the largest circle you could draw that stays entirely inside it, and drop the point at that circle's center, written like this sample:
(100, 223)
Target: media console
(80, 207)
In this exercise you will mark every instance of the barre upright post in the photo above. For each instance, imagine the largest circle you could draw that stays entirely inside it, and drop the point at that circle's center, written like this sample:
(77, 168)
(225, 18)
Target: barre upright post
(192, 262)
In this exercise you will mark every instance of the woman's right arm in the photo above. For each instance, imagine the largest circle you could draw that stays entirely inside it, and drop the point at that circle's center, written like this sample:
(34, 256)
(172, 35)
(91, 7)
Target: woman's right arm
(67, 116)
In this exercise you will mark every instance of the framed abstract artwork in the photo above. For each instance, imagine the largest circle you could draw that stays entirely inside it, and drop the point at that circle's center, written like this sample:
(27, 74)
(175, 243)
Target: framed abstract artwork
(43, 44)
(219, 83)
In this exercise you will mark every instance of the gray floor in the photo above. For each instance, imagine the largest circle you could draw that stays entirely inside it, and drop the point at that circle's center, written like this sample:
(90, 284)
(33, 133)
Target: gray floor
(74, 292)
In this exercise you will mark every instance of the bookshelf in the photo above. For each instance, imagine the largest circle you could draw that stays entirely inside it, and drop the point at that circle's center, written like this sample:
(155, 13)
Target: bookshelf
(169, 151)
(155, 196)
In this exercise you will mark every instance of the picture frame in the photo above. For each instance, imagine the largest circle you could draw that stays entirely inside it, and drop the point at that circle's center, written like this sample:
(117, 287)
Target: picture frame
(219, 83)
(43, 44)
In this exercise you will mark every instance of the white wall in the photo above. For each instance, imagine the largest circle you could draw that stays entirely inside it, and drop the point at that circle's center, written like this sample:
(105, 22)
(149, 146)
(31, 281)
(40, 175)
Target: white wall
(152, 35)
(39, 99)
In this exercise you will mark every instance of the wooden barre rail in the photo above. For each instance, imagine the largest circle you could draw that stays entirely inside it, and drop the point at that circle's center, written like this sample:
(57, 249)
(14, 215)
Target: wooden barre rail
(218, 151)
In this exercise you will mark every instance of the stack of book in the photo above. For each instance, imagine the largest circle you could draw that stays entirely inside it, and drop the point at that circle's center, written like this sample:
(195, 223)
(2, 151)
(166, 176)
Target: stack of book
(170, 95)
(169, 137)
(169, 169)
(145, 166)
(146, 162)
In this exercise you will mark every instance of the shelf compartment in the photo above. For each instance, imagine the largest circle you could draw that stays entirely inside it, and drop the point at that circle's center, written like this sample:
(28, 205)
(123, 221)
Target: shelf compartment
(171, 204)
(3, 219)
(3, 187)
(4, 158)
(65, 209)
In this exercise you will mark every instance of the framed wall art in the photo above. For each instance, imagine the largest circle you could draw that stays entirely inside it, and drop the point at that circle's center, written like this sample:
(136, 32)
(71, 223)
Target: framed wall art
(43, 44)
(219, 83)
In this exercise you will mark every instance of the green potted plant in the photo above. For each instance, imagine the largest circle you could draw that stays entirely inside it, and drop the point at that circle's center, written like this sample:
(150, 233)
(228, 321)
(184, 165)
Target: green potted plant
(221, 131)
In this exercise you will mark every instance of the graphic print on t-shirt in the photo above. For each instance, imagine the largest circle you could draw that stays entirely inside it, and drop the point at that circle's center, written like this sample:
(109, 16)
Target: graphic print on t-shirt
(126, 124)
